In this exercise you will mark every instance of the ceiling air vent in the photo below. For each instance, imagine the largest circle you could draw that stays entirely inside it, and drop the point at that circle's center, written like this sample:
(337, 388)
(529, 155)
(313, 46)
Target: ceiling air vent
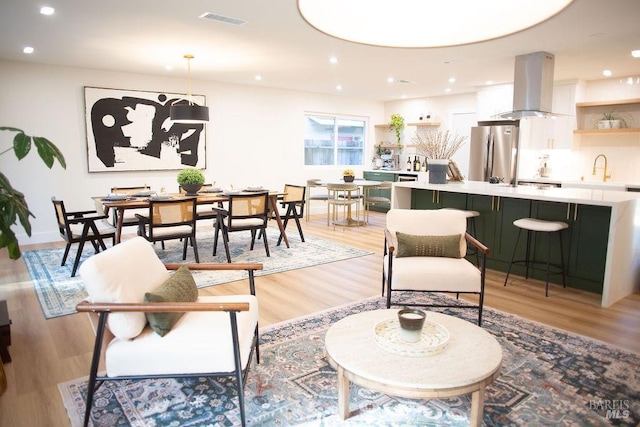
(222, 18)
(403, 81)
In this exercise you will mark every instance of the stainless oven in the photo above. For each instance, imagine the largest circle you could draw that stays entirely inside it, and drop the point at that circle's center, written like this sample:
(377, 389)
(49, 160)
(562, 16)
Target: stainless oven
(407, 177)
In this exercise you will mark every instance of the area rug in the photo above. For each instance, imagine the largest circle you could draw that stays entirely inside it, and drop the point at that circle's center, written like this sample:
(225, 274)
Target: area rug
(548, 378)
(59, 293)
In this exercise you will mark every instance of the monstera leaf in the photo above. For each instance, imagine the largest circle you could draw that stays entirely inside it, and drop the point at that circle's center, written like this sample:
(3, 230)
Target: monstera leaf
(13, 206)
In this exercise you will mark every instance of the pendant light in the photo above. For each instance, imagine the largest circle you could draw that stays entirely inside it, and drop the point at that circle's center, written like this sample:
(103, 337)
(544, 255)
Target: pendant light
(186, 111)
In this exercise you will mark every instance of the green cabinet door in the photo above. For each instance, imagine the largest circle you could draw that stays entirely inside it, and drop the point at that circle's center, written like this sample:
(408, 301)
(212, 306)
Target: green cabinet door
(379, 176)
(435, 199)
(584, 242)
(495, 229)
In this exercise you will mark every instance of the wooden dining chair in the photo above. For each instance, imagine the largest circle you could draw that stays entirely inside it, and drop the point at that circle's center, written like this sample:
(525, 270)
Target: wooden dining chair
(170, 219)
(203, 211)
(80, 227)
(129, 215)
(246, 212)
(291, 207)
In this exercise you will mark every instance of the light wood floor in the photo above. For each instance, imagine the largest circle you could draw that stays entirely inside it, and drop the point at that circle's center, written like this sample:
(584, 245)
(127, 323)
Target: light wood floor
(47, 352)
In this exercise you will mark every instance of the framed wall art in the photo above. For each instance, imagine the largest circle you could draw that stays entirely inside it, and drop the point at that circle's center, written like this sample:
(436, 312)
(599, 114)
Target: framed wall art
(130, 130)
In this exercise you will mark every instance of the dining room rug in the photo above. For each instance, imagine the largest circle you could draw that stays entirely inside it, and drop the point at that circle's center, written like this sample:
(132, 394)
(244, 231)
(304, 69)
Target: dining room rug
(549, 377)
(59, 293)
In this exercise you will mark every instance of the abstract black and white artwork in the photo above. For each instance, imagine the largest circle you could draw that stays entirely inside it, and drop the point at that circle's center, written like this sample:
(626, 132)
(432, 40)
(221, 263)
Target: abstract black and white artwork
(130, 130)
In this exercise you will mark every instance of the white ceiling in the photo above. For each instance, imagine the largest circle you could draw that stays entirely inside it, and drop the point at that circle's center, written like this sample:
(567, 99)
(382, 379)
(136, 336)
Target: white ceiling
(143, 36)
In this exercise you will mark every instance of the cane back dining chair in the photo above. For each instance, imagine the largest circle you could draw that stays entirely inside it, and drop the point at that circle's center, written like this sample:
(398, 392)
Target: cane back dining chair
(425, 252)
(203, 211)
(291, 207)
(155, 325)
(80, 227)
(129, 215)
(246, 212)
(170, 219)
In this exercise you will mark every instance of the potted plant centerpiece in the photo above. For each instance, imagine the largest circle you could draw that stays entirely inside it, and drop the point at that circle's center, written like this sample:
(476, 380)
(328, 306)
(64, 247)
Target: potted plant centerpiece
(348, 175)
(438, 147)
(191, 180)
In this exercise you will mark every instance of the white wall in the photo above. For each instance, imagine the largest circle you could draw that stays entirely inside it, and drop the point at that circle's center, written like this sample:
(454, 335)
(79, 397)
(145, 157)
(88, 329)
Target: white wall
(255, 135)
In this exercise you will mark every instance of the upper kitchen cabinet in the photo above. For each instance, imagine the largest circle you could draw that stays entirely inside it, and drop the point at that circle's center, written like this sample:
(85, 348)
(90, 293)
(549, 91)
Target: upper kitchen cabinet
(552, 132)
(493, 101)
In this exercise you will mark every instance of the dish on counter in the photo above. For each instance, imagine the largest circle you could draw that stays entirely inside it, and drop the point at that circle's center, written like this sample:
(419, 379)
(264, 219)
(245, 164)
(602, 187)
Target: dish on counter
(116, 198)
(255, 188)
(159, 198)
(211, 190)
(146, 193)
(231, 192)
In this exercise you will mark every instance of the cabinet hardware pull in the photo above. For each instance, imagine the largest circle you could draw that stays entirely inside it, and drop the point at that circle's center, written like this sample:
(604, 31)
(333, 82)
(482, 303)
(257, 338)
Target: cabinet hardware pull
(492, 197)
(433, 196)
(575, 213)
(568, 210)
(498, 206)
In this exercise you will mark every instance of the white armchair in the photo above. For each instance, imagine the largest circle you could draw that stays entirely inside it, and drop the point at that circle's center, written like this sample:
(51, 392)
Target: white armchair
(155, 324)
(424, 252)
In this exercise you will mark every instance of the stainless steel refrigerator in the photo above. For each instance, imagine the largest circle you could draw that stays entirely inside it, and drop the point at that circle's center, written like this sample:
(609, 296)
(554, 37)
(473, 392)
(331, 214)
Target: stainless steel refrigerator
(493, 153)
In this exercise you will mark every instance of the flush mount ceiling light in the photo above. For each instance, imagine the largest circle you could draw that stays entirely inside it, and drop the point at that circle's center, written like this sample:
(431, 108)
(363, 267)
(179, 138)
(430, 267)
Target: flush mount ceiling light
(420, 23)
(187, 111)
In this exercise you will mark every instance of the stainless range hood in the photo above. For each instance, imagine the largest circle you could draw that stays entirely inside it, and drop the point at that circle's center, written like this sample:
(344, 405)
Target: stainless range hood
(532, 86)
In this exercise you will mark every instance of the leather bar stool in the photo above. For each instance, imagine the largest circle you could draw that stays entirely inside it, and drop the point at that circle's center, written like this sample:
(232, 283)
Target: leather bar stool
(533, 225)
(471, 220)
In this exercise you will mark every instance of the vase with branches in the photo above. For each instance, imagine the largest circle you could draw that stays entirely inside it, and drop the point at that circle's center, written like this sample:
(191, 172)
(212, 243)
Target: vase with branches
(438, 144)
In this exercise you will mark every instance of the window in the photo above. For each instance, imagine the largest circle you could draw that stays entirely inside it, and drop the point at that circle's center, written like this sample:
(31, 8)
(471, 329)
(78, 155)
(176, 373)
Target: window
(333, 141)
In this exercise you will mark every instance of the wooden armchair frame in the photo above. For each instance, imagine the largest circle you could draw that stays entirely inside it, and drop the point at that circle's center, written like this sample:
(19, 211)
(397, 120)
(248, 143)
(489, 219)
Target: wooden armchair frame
(104, 309)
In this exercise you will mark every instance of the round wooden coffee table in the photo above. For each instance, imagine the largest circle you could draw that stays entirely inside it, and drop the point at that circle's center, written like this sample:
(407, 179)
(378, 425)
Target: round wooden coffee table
(470, 361)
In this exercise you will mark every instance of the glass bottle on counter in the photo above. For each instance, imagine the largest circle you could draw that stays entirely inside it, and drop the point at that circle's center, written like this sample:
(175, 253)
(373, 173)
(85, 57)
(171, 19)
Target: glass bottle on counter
(423, 168)
(416, 164)
(409, 164)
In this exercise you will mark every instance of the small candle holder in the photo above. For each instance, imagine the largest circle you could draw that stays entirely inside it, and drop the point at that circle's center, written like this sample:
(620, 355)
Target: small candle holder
(411, 323)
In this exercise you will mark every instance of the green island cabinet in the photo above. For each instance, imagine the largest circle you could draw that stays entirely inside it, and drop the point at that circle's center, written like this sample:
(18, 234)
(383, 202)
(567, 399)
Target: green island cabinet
(584, 242)
(379, 176)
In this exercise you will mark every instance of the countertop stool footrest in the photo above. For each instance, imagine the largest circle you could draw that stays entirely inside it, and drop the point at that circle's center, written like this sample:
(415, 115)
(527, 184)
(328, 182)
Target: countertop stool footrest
(534, 225)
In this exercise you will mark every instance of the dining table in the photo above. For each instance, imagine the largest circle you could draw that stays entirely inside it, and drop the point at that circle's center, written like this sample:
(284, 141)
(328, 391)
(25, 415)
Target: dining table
(364, 183)
(204, 197)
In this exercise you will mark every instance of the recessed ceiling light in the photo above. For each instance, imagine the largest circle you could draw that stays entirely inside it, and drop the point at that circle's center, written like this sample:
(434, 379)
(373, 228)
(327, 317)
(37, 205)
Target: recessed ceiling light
(447, 90)
(452, 79)
(339, 87)
(403, 25)
(404, 97)
(390, 80)
(28, 49)
(607, 73)
(258, 77)
(47, 10)
(168, 67)
(635, 53)
(489, 82)
(333, 60)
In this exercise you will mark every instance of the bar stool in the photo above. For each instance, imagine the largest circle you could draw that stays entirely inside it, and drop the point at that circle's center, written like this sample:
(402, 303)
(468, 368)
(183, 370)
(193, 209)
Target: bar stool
(470, 215)
(533, 225)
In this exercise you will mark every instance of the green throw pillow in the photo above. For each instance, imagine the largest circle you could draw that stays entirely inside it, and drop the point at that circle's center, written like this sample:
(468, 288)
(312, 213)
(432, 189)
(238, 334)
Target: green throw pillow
(180, 287)
(433, 246)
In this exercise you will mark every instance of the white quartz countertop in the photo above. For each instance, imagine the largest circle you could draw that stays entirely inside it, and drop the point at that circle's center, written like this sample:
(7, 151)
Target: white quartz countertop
(553, 194)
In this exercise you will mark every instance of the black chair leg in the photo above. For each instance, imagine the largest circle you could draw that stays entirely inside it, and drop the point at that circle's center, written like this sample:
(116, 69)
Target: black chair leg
(513, 256)
(65, 255)
(194, 244)
(266, 242)
(225, 240)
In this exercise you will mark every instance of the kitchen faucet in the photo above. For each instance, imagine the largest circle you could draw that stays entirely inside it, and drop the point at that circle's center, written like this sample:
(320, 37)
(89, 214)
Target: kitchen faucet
(604, 175)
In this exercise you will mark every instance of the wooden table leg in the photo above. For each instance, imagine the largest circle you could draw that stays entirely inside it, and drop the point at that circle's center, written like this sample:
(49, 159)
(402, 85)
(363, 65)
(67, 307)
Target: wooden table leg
(343, 394)
(274, 204)
(119, 221)
(477, 407)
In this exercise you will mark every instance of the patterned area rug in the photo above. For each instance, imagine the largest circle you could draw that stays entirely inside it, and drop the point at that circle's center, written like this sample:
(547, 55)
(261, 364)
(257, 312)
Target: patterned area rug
(548, 378)
(59, 293)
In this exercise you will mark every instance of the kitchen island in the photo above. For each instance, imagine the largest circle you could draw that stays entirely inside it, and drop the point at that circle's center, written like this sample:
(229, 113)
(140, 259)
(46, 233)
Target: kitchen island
(603, 236)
